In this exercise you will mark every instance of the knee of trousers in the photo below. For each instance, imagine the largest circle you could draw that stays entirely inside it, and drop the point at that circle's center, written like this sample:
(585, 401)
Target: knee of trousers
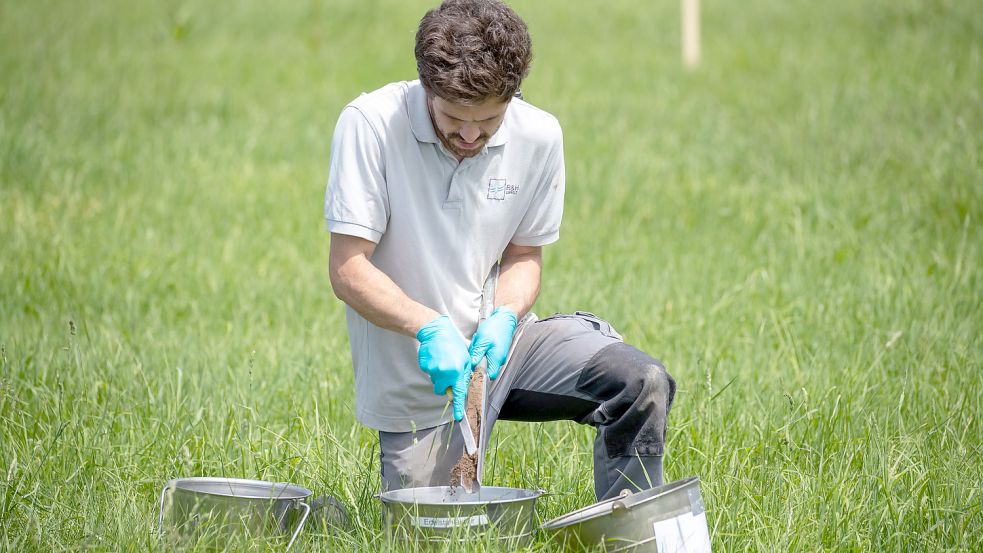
(635, 394)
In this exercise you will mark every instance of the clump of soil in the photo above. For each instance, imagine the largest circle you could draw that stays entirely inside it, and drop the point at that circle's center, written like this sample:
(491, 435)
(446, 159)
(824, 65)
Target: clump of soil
(465, 472)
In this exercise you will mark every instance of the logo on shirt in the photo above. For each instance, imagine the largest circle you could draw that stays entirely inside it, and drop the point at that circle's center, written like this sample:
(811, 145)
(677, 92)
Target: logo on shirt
(499, 188)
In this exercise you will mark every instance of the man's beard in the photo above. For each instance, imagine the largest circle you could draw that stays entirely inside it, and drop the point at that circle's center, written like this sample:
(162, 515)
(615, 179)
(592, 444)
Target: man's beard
(448, 141)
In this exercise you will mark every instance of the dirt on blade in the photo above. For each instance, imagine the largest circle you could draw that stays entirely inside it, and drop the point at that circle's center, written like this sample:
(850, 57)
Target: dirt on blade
(465, 472)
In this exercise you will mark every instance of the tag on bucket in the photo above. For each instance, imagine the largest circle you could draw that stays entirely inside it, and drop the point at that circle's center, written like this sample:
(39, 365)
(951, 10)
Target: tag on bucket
(686, 533)
(449, 522)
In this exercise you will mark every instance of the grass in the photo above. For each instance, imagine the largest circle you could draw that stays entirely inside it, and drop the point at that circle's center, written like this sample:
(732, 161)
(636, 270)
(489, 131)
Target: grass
(794, 228)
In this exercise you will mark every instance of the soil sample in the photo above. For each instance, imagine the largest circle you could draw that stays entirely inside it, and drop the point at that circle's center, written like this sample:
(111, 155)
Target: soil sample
(465, 472)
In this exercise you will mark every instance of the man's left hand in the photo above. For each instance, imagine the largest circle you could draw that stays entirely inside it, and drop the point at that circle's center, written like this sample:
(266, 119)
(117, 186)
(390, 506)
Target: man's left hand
(493, 339)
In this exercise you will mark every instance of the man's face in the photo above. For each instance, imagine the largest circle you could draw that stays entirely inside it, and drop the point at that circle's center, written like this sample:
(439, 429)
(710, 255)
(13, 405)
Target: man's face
(464, 129)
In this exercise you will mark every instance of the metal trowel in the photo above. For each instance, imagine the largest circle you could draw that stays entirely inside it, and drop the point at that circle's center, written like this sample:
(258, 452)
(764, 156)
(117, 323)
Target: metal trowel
(473, 445)
(470, 444)
(485, 311)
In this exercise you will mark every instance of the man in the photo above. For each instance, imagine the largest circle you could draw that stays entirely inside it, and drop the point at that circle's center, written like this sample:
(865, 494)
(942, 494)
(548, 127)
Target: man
(433, 182)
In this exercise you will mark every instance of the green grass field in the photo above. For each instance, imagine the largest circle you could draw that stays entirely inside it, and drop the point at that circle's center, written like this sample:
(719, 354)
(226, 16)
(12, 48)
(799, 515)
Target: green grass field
(794, 229)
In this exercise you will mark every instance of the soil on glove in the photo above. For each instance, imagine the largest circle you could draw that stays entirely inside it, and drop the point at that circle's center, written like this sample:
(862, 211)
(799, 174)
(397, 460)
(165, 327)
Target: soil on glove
(465, 472)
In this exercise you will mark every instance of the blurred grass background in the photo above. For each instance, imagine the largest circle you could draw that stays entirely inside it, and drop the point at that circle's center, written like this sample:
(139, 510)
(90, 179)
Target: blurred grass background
(794, 228)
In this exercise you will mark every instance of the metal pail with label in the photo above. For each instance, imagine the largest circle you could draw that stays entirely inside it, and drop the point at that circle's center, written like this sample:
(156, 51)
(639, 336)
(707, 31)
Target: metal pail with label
(666, 519)
(442, 514)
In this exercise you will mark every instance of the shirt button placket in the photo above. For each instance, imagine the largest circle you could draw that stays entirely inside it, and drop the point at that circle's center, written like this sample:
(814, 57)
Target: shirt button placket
(455, 197)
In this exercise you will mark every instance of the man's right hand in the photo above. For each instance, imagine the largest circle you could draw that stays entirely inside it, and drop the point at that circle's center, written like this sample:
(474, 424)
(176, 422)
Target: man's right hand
(444, 357)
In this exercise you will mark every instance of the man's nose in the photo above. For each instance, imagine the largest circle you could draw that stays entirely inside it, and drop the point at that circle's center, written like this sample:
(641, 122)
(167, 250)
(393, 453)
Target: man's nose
(470, 133)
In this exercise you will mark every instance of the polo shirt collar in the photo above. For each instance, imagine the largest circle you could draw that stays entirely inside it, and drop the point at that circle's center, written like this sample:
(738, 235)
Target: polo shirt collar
(416, 104)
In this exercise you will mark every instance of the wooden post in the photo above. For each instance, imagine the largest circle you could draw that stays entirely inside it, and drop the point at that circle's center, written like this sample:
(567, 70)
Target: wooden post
(691, 33)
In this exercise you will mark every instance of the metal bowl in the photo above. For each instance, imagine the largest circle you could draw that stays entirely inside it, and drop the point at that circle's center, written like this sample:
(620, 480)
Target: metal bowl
(202, 508)
(664, 519)
(442, 514)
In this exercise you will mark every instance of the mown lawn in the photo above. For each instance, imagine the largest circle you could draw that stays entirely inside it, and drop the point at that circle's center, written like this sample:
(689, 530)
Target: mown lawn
(794, 229)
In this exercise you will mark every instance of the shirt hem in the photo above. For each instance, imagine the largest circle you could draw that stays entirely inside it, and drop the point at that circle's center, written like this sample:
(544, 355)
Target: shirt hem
(353, 229)
(540, 240)
(400, 423)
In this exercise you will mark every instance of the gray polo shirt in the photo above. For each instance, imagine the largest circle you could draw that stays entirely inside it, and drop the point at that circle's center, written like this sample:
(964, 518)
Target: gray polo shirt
(439, 226)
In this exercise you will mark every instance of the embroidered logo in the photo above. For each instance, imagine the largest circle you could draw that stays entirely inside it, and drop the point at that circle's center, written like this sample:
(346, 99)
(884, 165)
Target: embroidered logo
(499, 188)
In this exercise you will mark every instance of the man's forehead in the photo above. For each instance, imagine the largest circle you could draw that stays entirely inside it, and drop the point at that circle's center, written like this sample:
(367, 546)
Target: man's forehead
(488, 109)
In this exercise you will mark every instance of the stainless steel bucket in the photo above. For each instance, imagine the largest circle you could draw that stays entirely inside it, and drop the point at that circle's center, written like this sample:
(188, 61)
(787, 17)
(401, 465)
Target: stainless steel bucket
(666, 519)
(221, 508)
(441, 514)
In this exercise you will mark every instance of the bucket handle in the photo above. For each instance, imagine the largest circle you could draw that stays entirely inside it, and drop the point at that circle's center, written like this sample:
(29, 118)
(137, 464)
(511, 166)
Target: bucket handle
(619, 506)
(160, 518)
(300, 525)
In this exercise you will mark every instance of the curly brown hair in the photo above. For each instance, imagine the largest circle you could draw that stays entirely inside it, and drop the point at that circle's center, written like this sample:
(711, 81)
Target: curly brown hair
(469, 51)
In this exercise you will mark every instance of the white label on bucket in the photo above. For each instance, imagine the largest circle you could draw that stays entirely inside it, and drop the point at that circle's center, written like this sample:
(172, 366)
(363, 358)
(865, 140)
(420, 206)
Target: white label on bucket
(448, 522)
(685, 533)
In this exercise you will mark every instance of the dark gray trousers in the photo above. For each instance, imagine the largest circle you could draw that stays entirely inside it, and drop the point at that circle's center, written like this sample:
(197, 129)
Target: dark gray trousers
(565, 367)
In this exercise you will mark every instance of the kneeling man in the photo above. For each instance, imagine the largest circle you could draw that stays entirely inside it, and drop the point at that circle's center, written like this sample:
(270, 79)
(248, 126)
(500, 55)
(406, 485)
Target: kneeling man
(433, 183)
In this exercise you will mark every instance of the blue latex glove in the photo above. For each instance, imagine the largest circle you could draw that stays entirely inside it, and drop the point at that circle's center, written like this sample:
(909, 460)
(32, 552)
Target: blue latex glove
(493, 339)
(444, 357)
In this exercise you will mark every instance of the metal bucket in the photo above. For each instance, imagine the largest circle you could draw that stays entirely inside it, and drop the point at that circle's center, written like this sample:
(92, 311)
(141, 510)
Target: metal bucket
(666, 519)
(222, 508)
(441, 515)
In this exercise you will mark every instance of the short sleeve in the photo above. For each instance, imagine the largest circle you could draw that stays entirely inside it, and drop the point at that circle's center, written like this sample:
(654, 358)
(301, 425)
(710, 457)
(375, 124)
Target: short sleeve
(356, 201)
(541, 223)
